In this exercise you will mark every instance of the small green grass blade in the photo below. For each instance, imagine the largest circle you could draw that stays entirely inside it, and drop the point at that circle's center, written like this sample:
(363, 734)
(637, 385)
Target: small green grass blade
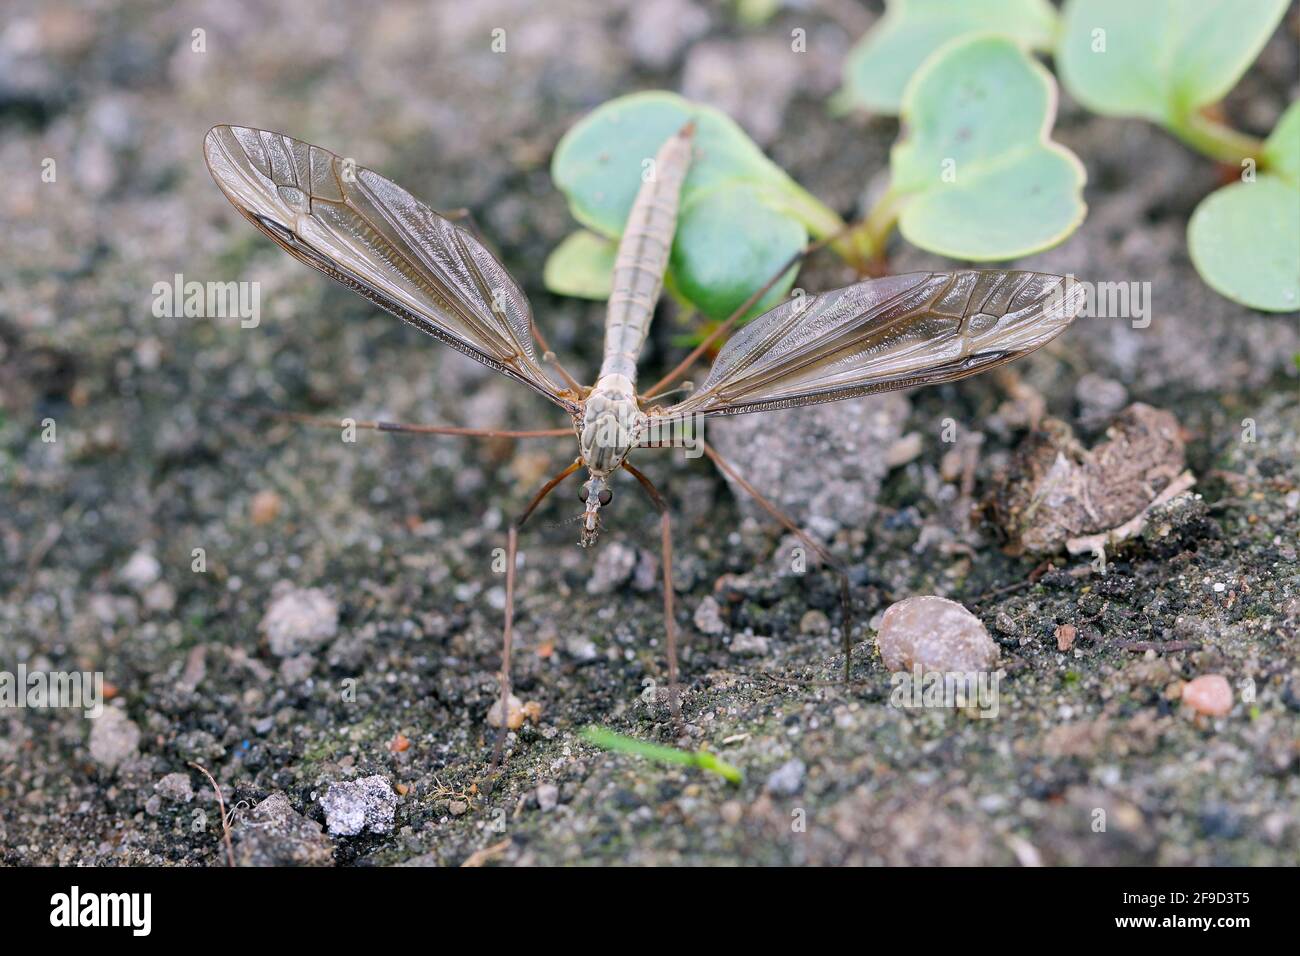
(606, 739)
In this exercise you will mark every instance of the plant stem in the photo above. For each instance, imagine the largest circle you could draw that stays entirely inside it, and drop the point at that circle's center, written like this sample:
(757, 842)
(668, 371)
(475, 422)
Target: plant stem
(865, 243)
(1219, 142)
(822, 223)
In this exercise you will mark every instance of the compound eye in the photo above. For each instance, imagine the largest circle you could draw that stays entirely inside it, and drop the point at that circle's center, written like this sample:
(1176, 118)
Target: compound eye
(583, 493)
(605, 497)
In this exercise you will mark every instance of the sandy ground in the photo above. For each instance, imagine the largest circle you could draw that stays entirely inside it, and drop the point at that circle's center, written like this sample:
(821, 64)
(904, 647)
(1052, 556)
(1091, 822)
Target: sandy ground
(98, 529)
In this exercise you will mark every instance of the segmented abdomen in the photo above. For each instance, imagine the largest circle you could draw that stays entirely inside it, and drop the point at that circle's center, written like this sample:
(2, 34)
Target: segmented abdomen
(643, 256)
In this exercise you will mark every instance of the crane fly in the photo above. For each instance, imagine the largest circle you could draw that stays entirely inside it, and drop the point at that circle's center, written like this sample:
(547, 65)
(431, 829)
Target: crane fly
(895, 332)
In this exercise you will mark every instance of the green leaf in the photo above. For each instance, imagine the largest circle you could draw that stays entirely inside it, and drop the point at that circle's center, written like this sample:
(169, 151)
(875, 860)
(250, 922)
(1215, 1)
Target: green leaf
(599, 162)
(581, 266)
(755, 13)
(881, 63)
(976, 176)
(608, 740)
(1244, 239)
(730, 241)
(1160, 59)
(1281, 153)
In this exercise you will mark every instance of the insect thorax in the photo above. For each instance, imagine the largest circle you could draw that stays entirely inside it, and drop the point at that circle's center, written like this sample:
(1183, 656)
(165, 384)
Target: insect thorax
(611, 424)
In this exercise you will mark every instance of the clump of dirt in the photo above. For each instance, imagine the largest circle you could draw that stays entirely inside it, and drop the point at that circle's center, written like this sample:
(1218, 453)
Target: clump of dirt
(1053, 489)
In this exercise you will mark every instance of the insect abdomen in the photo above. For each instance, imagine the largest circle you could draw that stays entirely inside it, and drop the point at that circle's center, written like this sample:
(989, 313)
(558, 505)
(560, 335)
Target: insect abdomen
(642, 256)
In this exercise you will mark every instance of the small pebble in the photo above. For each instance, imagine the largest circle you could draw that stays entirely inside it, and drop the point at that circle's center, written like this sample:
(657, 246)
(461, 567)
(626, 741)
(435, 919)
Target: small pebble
(1065, 634)
(708, 617)
(645, 577)
(141, 570)
(548, 796)
(1209, 694)
(613, 566)
(113, 738)
(264, 508)
(357, 805)
(581, 648)
(787, 779)
(908, 448)
(299, 620)
(274, 834)
(514, 713)
(749, 645)
(175, 787)
(935, 633)
(814, 622)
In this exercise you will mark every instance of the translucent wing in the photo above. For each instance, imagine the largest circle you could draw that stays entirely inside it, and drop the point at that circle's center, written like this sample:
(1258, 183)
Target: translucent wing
(882, 334)
(376, 238)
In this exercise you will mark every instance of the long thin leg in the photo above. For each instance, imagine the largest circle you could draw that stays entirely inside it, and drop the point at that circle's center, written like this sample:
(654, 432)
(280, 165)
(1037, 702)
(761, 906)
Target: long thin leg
(670, 623)
(548, 355)
(380, 426)
(789, 523)
(507, 639)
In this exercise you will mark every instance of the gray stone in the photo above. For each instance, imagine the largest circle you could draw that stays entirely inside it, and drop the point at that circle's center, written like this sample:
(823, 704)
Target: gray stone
(646, 575)
(175, 787)
(299, 620)
(358, 805)
(613, 566)
(749, 645)
(274, 834)
(141, 570)
(199, 745)
(787, 779)
(548, 796)
(113, 738)
(820, 464)
(708, 617)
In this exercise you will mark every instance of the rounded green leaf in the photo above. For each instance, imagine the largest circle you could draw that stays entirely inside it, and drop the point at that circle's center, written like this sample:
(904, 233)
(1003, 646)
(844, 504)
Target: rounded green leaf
(881, 63)
(599, 162)
(739, 211)
(1160, 59)
(729, 242)
(976, 176)
(581, 266)
(1245, 243)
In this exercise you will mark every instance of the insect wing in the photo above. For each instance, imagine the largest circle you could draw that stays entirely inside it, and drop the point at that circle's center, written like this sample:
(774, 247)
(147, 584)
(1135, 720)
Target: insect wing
(883, 334)
(373, 236)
